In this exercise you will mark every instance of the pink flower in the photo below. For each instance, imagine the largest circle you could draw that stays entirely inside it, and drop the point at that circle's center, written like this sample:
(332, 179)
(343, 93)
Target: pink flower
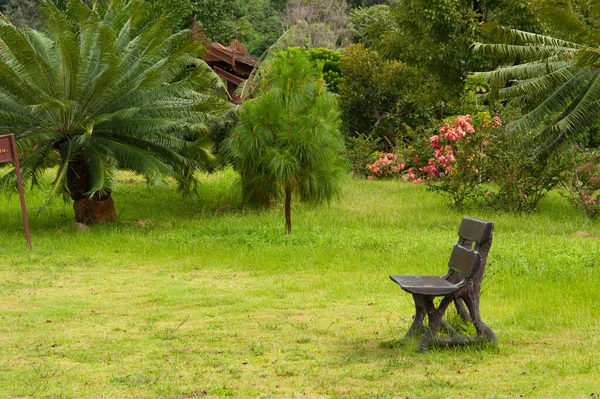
(489, 193)
(524, 196)
(485, 143)
(369, 177)
(496, 121)
(434, 141)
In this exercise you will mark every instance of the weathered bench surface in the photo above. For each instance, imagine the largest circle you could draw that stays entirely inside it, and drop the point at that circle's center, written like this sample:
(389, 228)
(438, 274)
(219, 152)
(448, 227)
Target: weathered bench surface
(425, 285)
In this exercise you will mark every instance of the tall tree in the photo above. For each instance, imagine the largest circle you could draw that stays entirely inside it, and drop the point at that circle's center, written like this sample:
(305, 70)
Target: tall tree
(258, 24)
(318, 23)
(104, 89)
(215, 18)
(436, 36)
(22, 13)
(288, 142)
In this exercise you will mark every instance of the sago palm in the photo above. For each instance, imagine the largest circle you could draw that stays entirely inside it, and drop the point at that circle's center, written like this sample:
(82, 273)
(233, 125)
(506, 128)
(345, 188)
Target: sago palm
(557, 80)
(102, 88)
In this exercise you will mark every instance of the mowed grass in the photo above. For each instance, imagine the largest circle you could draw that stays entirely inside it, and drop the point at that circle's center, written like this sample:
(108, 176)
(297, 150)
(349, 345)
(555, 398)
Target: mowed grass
(190, 298)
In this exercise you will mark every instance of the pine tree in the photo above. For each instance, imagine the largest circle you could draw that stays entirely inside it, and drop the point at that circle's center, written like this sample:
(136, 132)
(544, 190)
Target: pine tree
(288, 143)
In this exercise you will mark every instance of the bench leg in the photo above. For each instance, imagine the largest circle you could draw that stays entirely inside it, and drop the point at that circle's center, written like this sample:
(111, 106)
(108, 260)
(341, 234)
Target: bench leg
(417, 328)
(436, 318)
(482, 329)
(449, 329)
(462, 310)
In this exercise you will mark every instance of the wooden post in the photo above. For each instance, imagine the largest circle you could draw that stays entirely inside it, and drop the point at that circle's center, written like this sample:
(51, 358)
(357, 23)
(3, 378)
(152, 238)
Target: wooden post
(8, 153)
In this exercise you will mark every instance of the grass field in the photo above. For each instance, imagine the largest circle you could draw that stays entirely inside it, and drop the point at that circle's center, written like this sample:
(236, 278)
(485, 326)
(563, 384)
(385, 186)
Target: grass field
(178, 300)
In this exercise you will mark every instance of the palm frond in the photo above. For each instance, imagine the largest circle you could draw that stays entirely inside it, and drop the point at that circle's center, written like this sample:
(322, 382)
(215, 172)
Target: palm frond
(518, 37)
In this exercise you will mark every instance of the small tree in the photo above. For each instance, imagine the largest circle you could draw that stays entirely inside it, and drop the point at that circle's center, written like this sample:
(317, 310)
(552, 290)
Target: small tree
(288, 142)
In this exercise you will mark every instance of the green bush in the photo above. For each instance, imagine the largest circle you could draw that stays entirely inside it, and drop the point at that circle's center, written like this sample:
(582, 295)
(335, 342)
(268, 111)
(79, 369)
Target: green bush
(380, 98)
(581, 181)
(520, 179)
(359, 151)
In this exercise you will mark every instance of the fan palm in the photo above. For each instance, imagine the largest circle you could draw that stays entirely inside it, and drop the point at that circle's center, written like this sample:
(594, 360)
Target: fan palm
(102, 88)
(557, 80)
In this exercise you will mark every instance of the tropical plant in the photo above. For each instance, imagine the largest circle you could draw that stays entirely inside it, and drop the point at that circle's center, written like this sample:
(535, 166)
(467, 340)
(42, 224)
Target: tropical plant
(288, 142)
(556, 79)
(101, 89)
(362, 18)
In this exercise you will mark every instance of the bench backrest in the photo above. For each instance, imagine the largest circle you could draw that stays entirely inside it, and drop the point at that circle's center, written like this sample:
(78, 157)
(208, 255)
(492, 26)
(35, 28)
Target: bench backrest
(474, 242)
(464, 260)
(475, 230)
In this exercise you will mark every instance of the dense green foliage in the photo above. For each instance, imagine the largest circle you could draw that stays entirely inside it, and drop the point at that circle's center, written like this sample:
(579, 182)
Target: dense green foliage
(97, 92)
(288, 141)
(437, 35)
(378, 96)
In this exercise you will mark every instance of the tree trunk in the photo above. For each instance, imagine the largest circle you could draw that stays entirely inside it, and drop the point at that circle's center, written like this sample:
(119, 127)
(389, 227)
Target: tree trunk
(88, 210)
(288, 207)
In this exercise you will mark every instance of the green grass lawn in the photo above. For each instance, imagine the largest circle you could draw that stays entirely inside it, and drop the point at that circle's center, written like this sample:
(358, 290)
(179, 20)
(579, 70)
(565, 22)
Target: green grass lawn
(178, 300)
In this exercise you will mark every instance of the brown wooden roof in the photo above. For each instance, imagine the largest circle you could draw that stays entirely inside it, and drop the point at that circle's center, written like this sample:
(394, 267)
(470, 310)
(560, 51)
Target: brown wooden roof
(235, 55)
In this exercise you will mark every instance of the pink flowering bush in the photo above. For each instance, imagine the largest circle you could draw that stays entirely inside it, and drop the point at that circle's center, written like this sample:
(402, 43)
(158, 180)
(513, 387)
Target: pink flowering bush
(385, 165)
(581, 182)
(458, 157)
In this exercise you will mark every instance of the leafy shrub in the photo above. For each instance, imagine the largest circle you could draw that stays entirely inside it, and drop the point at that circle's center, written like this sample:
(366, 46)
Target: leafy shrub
(329, 62)
(324, 60)
(359, 151)
(520, 179)
(381, 98)
(581, 182)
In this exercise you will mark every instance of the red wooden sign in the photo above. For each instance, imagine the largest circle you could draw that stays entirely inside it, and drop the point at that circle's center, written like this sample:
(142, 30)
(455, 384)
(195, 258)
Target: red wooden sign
(8, 153)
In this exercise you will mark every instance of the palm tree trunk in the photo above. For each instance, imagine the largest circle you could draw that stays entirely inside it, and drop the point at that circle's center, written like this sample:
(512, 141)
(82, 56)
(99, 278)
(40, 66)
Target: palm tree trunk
(288, 207)
(88, 210)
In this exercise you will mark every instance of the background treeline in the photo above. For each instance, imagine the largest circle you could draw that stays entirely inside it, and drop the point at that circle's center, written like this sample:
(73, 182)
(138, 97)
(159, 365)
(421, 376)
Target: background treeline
(403, 68)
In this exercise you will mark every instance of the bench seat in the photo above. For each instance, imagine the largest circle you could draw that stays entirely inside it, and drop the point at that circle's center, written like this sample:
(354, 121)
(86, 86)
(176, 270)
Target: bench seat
(425, 285)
